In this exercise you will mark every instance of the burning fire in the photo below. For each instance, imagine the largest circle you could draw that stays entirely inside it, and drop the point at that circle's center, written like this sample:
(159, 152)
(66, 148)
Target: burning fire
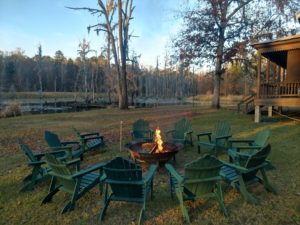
(158, 141)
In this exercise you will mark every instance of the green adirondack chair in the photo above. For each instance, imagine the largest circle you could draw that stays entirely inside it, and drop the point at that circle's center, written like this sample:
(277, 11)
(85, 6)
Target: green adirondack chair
(90, 141)
(244, 169)
(127, 183)
(182, 132)
(55, 143)
(74, 182)
(39, 172)
(141, 131)
(257, 143)
(217, 139)
(200, 180)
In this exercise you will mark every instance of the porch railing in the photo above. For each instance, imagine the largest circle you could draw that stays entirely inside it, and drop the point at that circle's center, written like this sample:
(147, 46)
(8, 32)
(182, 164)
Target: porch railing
(279, 89)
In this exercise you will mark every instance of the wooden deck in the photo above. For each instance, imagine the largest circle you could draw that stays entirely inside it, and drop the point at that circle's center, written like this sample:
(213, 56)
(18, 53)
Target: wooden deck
(279, 89)
(284, 102)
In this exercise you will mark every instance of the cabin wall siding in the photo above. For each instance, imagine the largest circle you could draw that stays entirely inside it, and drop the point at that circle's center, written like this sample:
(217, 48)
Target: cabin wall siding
(293, 66)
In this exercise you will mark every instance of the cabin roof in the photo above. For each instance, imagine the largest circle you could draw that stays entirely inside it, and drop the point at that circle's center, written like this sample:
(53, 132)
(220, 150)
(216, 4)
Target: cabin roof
(276, 50)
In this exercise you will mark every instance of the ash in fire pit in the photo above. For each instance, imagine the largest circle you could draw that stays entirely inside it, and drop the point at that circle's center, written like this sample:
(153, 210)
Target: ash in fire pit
(153, 152)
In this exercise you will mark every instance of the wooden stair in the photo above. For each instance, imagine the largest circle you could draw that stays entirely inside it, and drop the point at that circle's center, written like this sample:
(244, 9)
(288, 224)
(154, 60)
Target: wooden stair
(246, 105)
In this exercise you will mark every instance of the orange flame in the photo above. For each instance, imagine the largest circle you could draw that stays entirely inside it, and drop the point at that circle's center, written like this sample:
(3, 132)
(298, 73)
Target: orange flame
(158, 141)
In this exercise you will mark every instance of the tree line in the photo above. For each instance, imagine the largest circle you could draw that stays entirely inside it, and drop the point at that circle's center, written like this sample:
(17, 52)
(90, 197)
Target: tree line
(89, 75)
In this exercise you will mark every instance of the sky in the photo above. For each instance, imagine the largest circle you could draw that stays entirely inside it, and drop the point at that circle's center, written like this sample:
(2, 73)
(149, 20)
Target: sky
(27, 23)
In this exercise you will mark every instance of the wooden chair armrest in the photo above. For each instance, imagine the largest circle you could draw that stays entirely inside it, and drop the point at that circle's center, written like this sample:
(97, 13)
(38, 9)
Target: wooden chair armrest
(223, 137)
(36, 163)
(83, 135)
(250, 147)
(91, 138)
(56, 152)
(189, 132)
(136, 182)
(204, 134)
(69, 142)
(243, 169)
(72, 162)
(236, 155)
(61, 148)
(98, 166)
(240, 141)
(237, 167)
(208, 134)
(174, 173)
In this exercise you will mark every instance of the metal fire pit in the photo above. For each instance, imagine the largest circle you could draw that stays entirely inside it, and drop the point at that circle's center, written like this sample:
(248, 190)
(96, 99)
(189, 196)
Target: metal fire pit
(144, 155)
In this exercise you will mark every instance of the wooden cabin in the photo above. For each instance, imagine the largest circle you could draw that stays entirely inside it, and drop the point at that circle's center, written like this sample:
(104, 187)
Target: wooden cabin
(278, 74)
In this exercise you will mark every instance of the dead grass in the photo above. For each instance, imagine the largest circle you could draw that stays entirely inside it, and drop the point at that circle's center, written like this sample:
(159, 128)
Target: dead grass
(25, 208)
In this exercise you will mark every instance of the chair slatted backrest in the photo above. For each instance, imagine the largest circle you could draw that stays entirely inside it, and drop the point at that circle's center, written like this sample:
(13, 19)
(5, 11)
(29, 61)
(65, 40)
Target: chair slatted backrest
(63, 174)
(182, 126)
(139, 128)
(222, 128)
(256, 160)
(203, 168)
(120, 173)
(262, 137)
(52, 139)
(28, 152)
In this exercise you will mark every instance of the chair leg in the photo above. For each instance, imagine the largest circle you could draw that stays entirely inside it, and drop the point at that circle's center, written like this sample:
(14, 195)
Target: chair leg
(103, 211)
(52, 191)
(27, 178)
(31, 179)
(71, 204)
(27, 187)
(247, 196)
(151, 189)
(267, 183)
(68, 207)
(106, 201)
(171, 187)
(191, 140)
(199, 150)
(142, 214)
(49, 196)
(182, 207)
(220, 199)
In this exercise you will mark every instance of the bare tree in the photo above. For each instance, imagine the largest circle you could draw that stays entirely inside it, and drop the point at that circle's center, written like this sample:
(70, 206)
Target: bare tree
(83, 51)
(39, 68)
(125, 10)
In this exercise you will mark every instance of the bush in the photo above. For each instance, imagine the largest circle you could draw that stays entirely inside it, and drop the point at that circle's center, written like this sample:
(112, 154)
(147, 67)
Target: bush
(12, 109)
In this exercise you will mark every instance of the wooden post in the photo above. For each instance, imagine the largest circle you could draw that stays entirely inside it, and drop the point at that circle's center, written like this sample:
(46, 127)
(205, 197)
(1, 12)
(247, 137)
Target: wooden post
(268, 71)
(257, 115)
(121, 127)
(258, 75)
(270, 111)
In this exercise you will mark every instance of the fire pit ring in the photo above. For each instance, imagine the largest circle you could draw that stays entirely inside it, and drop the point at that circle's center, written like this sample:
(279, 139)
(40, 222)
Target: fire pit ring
(144, 155)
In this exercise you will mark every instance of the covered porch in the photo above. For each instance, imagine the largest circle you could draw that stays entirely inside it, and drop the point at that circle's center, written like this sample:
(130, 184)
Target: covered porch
(278, 74)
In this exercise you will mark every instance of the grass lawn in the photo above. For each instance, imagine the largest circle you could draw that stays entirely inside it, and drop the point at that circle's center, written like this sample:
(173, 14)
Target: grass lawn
(25, 208)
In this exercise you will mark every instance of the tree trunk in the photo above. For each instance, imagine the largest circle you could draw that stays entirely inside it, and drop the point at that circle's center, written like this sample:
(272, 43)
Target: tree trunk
(218, 71)
(123, 100)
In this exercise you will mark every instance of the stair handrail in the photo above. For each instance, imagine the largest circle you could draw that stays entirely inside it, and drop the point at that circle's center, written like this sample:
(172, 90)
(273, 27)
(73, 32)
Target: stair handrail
(244, 100)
